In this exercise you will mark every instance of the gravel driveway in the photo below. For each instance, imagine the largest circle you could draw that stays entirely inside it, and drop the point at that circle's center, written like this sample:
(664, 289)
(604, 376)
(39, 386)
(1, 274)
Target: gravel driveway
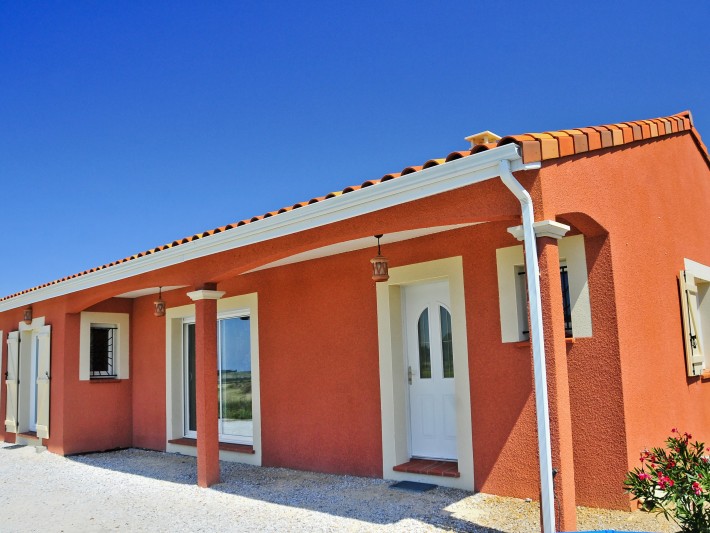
(138, 490)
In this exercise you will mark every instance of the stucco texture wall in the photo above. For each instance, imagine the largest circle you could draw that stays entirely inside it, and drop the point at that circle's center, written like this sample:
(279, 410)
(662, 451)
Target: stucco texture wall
(644, 207)
(97, 413)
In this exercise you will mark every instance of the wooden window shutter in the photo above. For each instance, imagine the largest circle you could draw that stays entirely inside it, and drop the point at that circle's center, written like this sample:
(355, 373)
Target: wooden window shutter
(43, 380)
(12, 381)
(694, 354)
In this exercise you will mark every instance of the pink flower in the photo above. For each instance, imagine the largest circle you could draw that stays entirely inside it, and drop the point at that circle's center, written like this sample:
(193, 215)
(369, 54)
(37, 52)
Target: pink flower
(674, 430)
(665, 481)
(687, 436)
(697, 488)
(644, 476)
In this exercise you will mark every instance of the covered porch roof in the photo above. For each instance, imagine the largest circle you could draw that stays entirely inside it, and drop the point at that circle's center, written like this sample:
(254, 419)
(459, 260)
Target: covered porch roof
(420, 183)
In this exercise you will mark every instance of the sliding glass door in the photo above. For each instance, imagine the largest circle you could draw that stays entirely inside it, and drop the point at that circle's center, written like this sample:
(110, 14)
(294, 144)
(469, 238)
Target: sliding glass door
(233, 379)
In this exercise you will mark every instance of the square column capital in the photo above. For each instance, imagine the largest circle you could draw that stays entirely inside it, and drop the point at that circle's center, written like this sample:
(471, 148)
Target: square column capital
(544, 228)
(205, 295)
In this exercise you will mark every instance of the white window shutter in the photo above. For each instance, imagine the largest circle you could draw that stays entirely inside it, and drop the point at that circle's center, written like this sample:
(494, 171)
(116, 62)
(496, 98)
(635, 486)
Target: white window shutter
(694, 354)
(12, 381)
(43, 380)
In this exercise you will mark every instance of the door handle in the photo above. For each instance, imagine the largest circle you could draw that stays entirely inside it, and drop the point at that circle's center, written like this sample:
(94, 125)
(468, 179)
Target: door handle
(409, 374)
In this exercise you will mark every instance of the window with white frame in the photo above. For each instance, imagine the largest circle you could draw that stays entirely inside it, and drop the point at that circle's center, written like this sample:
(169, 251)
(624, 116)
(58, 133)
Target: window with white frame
(237, 380)
(512, 290)
(103, 350)
(694, 284)
(234, 378)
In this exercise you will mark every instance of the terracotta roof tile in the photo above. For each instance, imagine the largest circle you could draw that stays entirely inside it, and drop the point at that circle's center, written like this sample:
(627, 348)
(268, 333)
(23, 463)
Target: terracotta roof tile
(433, 163)
(479, 148)
(456, 155)
(409, 170)
(548, 145)
(535, 147)
(594, 139)
(627, 133)
(581, 143)
(565, 142)
(605, 136)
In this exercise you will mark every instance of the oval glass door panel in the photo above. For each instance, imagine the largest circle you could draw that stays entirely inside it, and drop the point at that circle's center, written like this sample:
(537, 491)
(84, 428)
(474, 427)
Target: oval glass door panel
(447, 349)
(424, 348)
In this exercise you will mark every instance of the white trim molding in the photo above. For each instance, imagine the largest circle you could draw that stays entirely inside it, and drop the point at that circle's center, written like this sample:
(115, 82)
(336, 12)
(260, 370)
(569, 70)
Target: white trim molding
(174, 390)
(544, 228)
(205, 295)
(393, 373)
(513, 312)
(121, 355)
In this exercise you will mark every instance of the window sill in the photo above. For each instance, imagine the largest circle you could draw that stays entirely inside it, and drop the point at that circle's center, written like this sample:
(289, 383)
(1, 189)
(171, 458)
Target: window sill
(105, 380)
(224, 446)
(705, 376)
(526, 344)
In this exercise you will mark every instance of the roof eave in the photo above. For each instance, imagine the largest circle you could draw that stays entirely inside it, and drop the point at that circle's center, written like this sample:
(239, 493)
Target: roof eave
(422, 184)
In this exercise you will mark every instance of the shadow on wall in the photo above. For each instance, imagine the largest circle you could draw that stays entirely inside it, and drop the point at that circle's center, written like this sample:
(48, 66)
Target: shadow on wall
(365, 499)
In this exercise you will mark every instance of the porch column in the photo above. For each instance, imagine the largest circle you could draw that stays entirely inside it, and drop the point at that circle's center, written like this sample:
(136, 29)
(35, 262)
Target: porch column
(548, 233)
(207, 408)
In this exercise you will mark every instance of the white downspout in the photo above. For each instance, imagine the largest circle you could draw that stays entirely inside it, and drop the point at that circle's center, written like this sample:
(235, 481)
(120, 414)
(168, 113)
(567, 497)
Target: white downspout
(538, 345)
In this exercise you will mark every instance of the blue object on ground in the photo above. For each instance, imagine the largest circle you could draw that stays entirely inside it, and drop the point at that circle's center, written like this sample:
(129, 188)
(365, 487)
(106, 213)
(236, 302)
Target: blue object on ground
(413, 486)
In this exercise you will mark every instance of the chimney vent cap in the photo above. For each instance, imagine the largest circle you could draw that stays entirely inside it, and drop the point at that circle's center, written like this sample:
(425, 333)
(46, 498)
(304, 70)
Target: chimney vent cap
(484, 137)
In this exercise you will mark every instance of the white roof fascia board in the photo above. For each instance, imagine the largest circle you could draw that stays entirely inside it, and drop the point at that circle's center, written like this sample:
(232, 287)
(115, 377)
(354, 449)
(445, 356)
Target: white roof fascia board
(422, 184)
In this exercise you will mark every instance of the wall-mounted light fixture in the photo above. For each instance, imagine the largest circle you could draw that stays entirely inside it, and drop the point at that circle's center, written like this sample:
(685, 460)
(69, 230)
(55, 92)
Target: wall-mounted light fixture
(159, 304)
(27, 315)
(379, 264)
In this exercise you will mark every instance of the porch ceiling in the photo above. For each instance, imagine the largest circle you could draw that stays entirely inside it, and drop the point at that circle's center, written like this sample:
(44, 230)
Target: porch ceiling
(358, 244)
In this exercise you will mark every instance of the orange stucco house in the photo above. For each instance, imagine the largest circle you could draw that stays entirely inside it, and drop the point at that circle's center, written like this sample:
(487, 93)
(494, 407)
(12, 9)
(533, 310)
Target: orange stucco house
(464, 368)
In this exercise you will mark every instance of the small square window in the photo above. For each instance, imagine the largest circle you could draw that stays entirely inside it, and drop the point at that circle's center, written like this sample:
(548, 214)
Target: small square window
(104, 341)
(102, 352)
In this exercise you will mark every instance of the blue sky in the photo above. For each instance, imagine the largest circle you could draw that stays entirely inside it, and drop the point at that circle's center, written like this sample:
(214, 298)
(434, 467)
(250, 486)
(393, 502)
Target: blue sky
(125, 125)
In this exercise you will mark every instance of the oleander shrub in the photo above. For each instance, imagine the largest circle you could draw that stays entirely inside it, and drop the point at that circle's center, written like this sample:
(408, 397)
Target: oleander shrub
(674, 481)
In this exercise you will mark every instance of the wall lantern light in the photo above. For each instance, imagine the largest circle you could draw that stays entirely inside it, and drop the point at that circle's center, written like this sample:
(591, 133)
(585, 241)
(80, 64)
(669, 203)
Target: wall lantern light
(159, 304)
(27, 315)
(379, 264)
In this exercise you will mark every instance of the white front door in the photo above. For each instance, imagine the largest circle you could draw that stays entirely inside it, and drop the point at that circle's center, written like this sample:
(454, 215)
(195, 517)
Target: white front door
(430, 361)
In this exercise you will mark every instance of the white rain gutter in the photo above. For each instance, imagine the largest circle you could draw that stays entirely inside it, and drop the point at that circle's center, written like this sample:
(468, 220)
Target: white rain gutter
(537, 336)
